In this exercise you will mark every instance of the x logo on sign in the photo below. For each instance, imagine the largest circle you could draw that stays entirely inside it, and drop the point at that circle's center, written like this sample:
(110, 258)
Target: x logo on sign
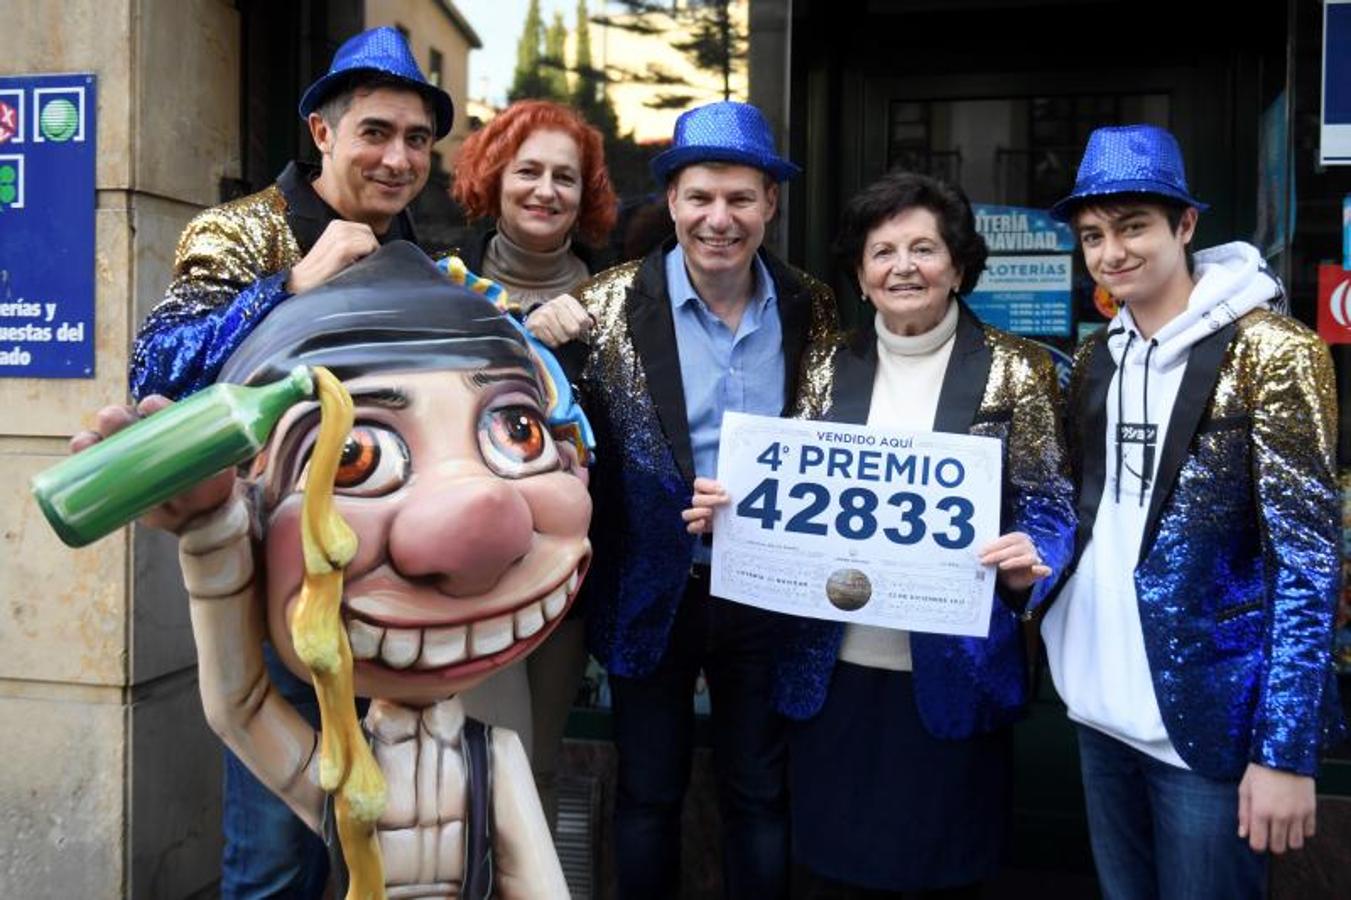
(9, 122)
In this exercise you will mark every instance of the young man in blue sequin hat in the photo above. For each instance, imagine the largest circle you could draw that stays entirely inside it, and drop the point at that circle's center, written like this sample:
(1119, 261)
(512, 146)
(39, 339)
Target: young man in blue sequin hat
(709, 322)
(373, 118)
(1191, 639)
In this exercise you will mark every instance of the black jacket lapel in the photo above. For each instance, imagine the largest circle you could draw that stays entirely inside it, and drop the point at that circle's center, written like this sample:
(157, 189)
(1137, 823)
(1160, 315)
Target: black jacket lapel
(964, 381)
(1193, 397)
(653, 331)
(1090, 424)
(794, 302)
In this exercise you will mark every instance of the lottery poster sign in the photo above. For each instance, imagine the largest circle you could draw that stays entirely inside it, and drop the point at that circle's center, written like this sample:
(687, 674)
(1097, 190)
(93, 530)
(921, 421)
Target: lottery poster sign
(857, 524)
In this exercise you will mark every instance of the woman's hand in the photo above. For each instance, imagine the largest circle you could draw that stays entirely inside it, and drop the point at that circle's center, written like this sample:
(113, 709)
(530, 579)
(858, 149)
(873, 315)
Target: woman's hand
(708, 496)
(559, 321)
(1017, 559)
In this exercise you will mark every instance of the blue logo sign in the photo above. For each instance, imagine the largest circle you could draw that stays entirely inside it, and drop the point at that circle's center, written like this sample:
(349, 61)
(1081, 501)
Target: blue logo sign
(1018, 229)
(47, 153)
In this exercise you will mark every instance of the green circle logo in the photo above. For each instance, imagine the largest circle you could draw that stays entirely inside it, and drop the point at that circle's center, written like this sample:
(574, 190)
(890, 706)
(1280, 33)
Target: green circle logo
(8, 192)
(59, 120)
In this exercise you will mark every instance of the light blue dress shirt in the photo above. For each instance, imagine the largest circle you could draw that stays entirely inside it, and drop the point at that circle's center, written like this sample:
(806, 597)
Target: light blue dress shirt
(721, 370)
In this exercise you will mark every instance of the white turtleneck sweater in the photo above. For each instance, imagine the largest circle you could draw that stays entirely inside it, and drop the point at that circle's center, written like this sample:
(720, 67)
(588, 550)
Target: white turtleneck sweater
(910, 370)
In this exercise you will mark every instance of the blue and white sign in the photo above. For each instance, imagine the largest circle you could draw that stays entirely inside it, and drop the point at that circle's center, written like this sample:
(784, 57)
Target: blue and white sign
(857, 524)
(1334, 145)
(1019, 229)
(47, 153)
(1025, 294)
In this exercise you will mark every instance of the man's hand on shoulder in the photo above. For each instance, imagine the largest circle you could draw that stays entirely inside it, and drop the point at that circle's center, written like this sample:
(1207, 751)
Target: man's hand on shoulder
(174, 514)
(559, 321)
(1276, 810)
(341, 244)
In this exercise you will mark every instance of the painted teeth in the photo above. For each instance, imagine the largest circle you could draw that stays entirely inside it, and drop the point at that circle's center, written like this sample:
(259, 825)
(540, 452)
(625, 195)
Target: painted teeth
(529, 621)
(364, 638)
(490, 636)
(554, 603)
(443, 646)
(401, 647)
(434, 648)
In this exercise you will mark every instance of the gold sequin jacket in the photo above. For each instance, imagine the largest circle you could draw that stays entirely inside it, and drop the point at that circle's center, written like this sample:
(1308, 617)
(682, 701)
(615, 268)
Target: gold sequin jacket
(1237, 572)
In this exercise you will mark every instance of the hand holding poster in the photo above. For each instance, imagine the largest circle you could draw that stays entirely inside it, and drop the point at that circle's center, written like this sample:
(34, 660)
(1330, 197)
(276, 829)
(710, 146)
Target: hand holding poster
(857, 524)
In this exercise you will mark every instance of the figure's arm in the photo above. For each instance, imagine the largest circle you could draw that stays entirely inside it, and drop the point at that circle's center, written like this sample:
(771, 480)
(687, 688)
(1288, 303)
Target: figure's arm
(241, 705)
(1038, 477)
(527, 863)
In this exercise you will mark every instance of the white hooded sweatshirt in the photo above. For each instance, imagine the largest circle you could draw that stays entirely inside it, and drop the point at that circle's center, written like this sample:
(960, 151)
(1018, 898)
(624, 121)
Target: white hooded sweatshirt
(1094, 641)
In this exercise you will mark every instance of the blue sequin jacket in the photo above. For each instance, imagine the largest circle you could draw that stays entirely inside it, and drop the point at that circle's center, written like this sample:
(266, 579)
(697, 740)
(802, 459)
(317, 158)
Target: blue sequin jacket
(1238, 568)
(644, 475)
(230, 271)
(996, 385)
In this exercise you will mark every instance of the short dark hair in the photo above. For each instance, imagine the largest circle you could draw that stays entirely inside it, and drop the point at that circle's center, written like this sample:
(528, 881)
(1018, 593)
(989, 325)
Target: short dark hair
(1113, 205)
(897, 192)
(339, 98)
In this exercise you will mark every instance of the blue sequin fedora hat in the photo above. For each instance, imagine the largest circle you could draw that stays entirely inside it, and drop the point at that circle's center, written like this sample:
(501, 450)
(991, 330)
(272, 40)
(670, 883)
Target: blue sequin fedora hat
(386, 51)
(727, 132)
(1129, 159)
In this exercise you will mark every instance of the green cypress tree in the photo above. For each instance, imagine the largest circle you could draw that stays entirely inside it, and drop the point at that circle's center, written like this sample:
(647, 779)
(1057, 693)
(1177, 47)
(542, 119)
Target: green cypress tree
(589, 95)
(526, 81)
(553, 65)
(586, 80)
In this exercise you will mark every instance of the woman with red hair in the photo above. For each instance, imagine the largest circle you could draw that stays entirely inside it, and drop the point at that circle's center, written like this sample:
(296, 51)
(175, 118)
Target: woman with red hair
(535, 174)
(538, 170)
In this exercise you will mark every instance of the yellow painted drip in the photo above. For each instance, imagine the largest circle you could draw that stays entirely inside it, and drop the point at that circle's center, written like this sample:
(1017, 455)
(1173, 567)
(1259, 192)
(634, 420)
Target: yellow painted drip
(346, 766)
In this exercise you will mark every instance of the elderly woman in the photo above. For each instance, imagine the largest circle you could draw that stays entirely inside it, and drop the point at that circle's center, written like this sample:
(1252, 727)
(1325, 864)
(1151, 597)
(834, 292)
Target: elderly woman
(900, 765)
(537, 170)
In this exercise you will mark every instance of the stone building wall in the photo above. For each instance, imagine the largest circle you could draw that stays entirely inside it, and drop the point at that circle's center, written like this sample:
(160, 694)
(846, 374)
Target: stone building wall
(109, 782)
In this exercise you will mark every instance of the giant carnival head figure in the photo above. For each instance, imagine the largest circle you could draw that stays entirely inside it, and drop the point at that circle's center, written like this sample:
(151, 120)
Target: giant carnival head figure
(463, 478)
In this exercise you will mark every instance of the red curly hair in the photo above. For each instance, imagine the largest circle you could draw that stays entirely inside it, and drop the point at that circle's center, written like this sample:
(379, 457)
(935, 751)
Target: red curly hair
(485, 155)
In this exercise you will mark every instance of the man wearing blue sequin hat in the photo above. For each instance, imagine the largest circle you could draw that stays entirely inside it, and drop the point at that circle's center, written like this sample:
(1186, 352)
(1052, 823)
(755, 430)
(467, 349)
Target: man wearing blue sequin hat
(709, 322)
(1191, 640)
(373, 118)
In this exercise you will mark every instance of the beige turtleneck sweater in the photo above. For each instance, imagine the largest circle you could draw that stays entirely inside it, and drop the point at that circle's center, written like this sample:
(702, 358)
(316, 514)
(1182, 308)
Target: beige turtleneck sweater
(909, 379)
(531, 277)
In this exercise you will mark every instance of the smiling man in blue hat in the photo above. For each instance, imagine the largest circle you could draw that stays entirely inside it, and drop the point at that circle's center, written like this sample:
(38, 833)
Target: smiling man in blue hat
(373, 118)
(708, 323)
(1191, 642)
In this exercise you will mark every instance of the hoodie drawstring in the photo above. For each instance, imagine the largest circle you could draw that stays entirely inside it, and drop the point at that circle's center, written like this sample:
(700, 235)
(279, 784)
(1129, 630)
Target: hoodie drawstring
(1147, 448)
(1121, 407)
(1146, 472)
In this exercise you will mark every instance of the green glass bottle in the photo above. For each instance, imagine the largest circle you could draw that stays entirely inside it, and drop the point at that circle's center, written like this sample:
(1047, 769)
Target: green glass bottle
(100, 489)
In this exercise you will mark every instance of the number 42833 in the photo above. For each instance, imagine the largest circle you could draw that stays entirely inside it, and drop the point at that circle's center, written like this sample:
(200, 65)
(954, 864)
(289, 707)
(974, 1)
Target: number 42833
(855, 514)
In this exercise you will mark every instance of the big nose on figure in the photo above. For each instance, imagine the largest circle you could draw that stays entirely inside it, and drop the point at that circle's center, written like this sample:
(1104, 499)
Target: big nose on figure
(465, 533)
